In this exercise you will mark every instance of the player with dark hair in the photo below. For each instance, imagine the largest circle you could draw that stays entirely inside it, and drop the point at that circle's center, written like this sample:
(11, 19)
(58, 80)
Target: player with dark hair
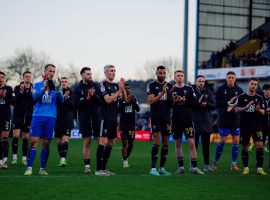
(127, 123)
(228, 120)
(202, 118)
(46, 97)
(87, 102)
(6, 100)
(111, 93)
(266, 121)
(64, 122)
(22, 116)
(160, 101)
(251, 108)
(184, 100)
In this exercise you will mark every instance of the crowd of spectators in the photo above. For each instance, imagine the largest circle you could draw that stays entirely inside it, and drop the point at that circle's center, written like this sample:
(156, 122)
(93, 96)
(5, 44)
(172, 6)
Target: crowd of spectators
(226, 57)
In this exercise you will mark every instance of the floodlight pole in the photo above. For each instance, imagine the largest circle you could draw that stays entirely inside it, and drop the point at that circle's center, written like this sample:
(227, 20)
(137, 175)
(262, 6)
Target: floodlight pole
(185, 49)
(197, 39)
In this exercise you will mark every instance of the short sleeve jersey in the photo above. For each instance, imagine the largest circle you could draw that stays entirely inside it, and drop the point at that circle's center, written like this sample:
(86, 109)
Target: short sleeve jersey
(250, 116)
(182, 111)
(108, 111)
(163, 106)
(127, 115)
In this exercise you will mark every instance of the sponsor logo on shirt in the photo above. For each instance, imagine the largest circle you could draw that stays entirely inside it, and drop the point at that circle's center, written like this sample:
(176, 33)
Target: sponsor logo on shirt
(251, 108)
(47, 98)
(164, 97)
(128, 109)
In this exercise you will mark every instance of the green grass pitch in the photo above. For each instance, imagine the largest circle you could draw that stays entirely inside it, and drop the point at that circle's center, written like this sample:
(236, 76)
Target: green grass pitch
(134, 182)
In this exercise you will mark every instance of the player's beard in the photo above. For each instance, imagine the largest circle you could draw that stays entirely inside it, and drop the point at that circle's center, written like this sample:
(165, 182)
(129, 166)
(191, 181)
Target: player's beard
(160, 79)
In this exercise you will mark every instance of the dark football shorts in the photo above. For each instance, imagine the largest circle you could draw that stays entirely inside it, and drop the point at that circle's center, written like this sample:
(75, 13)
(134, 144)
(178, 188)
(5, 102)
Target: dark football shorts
(178, 129)
(4, 124)
(246, 132)
(59, 132)
(22, 122)
(108, 128)
(162, 125)
(127, 135)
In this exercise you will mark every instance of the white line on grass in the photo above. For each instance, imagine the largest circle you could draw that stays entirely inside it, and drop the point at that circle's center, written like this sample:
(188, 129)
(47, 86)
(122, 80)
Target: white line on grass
(125, 175)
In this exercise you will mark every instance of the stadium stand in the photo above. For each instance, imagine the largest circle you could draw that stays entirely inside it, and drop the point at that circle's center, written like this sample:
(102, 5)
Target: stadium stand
(251, 50)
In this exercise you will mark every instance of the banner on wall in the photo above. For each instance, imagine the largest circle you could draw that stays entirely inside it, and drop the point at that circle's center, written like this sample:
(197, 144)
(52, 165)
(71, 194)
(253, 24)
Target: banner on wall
(241, 72)
(140, 135)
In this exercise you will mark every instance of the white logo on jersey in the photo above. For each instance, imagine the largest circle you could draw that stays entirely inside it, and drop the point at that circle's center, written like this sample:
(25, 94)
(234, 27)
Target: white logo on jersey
(251, 108)
(128, 109)
(102, 88)
(164, 96)
(47, 98)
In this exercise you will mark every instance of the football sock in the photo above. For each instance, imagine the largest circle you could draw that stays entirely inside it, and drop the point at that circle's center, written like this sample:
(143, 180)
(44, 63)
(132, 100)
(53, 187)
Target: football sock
(218, 151)
(5, 146)
(235, 149)
(99, 155)
(124, 149)
(125, 157)
(245, 158)
(64, 149)
(164, 155)
(44, 157)
(59, 148)
(259, 157)
(86, 161)
(180, 161)
(25, 147)
(130, 147)
(194, 162)
(154, 155)
(31, 156)
(106, 155)
(15, 145)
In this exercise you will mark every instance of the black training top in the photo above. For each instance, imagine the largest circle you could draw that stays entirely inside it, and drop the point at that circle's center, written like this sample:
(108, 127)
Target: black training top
(80, 97)
(66, 111)
(224, 94)
(202, 115)
(23, 102)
